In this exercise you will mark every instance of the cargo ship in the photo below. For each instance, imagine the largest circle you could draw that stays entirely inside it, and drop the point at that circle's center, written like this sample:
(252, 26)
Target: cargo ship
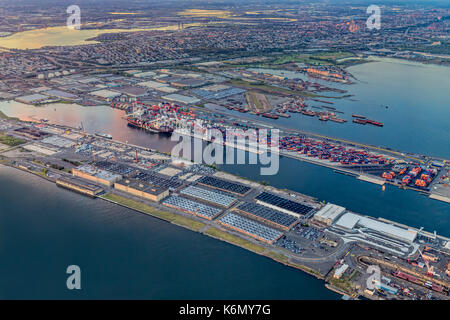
(150, 127)
(360, 121)
(358, 116)
(103, 135)
(375, 123)
(308, 113)
(365, 121)
(339, 120)
(269, 115)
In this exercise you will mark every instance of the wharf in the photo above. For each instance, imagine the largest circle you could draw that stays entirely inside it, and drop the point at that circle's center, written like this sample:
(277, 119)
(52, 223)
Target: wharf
(367, 178)
(439, 197)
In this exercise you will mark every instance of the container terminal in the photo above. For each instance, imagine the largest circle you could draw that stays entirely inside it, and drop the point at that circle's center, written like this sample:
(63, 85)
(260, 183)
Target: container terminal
(368, 163)
(325, 240)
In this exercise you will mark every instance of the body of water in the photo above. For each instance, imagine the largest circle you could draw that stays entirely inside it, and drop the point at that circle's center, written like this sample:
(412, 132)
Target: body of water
(418, 113)
(63, 36)
(127, 255)
(123, 254)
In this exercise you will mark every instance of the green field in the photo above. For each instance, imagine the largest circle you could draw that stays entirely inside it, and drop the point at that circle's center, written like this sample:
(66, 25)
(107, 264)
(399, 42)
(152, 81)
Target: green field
(322, 58)
(165, 215)
(214, 232)
(10, 140)
(271, 89)
(278, 256)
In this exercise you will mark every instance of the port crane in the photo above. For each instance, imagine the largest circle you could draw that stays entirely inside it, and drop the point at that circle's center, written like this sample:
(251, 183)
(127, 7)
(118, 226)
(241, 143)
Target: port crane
(83, 132)
(430, 269)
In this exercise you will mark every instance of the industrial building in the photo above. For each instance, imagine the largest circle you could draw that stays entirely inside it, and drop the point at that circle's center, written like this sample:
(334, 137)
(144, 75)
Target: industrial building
(329, 214)
(278, 203)
(142, 189)
(192, 207)
(250, 227)
(386, 287)
(215, 197)
(224, 185)
(340, 271)
(79, 186)
(277, 218)
(181, 98)
(96, 175)
(351, 221)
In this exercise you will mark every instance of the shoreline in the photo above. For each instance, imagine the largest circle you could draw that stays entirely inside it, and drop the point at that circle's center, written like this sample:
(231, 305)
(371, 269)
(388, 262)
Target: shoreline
(265, 252)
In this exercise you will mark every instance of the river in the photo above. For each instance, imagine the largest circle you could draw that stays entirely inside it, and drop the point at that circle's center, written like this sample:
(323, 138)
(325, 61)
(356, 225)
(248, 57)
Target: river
(123, 254)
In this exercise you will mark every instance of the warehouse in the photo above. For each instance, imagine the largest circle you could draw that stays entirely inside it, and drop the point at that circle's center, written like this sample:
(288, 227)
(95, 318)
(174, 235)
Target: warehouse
(105, 94)
(96, 175)
(277, 218)
(329, 213)
(141, 189)
(157, 180)
(31, 99)
(60, 94)
(340, 271)
(214, 197)
(250, 227)
(224, 185)
(182, 99)
(192, 207)
(282, 204)
(79, 186)
(351, 221)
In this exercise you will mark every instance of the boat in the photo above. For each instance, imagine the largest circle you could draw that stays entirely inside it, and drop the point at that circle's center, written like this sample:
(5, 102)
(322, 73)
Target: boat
(103, 135)
(269, 115)
(360, 121)
(308, 113)
(375, 123)
(358, 116)
(339, 120)
(150, 127)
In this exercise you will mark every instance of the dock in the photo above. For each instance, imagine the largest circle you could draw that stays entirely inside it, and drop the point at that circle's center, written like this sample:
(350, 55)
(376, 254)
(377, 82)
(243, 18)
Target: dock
(439, 197)
(367, 178)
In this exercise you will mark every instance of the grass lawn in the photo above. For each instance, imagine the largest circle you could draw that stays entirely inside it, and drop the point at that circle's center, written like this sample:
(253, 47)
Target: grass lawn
(271, 89)
(165, 215)
(234, 239)
(10, 140)
(278, 256)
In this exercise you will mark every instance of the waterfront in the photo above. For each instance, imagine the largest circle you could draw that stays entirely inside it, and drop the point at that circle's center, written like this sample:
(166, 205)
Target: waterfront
(406, 207)
(63, 36)
(123, 254)
(418, 110)
(402, 206)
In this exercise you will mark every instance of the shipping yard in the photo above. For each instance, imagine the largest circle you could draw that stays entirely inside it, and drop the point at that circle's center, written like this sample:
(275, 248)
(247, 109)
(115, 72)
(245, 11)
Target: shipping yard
(259, 80)
(323, 239)
(368, 163)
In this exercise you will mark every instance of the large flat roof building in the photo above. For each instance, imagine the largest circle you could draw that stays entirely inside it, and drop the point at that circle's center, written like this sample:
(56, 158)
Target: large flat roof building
(96, 175)
(329, 213)
(350, 221)
(142, 189)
